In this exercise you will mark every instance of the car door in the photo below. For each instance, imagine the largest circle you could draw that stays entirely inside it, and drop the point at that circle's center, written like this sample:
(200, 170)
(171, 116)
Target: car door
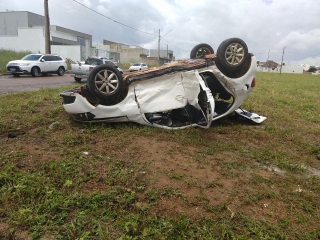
(144, 66)
(55, 63)
(44, 63)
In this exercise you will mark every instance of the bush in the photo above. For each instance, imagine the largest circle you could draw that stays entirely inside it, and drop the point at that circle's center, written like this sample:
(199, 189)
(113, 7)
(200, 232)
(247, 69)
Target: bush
(9, 55)
(312, 69)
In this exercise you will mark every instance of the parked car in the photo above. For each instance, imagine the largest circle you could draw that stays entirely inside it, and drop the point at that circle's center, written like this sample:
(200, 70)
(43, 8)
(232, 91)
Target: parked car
(138, 66)
(183, 94)
(81, 71)
(36, 64)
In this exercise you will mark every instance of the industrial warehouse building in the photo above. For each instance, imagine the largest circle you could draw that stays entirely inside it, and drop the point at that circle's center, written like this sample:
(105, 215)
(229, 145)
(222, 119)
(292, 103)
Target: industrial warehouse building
(24, 31)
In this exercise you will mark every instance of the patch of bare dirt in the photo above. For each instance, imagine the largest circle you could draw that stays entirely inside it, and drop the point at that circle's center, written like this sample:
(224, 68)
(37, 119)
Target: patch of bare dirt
(198, 185)
(187, 185)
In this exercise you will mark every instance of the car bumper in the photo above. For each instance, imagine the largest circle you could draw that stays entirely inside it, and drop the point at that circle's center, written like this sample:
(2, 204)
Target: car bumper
(18, 70)
(79, 75)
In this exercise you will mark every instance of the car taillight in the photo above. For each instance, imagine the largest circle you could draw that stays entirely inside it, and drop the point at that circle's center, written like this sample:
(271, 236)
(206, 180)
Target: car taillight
(253, 83)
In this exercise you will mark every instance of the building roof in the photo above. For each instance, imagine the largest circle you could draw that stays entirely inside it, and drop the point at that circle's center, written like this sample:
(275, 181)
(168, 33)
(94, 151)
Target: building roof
(269, 63)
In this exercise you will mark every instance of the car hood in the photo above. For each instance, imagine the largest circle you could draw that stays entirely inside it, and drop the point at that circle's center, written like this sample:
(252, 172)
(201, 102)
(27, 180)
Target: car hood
(19, 61)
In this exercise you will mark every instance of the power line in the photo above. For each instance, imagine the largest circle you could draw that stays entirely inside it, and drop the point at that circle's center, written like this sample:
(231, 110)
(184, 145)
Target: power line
(302, 54)
(107, 25)
(175, 46)
(81, 15)
(127, 25)
(115, 20)
(111, 19)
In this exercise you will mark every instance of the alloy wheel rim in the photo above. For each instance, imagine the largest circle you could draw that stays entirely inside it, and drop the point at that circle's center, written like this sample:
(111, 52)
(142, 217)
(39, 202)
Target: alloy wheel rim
(106, 81)
(234, 54)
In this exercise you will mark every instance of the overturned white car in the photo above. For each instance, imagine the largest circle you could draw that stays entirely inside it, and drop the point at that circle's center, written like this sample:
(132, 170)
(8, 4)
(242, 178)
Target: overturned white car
(187, 93)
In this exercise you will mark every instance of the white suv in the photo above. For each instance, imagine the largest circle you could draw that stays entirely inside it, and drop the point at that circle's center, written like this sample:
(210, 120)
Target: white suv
(36, 64)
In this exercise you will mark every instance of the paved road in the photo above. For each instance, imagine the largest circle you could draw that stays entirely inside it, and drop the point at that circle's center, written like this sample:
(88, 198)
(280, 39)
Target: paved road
(10, 84)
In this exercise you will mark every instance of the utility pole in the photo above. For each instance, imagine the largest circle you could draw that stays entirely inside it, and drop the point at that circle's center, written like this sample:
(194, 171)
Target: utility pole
(282, 60)
(159, 46)
(167, 51)
(159, 49)
(46, 27)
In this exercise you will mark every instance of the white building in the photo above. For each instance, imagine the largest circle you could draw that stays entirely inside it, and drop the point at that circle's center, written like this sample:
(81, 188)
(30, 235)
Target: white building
(24, 31)
(271, 66)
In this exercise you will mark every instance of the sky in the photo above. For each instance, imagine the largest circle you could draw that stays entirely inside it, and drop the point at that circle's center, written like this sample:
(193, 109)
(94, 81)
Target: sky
(270, 28)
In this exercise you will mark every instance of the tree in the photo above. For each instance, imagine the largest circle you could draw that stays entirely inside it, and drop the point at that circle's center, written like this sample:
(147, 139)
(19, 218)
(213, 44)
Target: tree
(312, 69)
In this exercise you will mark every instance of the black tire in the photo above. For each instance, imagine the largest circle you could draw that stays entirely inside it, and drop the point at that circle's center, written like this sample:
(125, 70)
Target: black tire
(200, 50)
(16, 74)
(105, 82)
(232, 53)
(35, 72)
(77, 79)
(61, 71)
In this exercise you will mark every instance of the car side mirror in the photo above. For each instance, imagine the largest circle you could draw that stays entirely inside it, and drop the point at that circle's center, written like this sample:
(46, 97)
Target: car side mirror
(42, 60)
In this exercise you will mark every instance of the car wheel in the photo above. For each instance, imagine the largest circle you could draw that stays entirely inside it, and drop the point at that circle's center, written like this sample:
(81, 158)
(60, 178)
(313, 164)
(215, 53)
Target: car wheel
(200, 50)
(35, 72)
(232, 53)
(16, 74)
(60, 71)
(105, 82)
(77, 79)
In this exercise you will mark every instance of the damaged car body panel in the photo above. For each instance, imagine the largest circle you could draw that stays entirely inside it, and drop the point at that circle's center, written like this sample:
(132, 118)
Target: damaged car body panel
(187, 93)
(162, 101)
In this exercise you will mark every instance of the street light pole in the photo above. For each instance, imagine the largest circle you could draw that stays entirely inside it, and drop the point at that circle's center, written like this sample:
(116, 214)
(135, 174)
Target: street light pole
(159, 49)
(159, 45)
(282, 60)
(167, 51)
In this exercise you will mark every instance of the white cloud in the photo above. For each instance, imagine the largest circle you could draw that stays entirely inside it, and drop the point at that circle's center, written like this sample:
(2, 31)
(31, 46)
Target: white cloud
(265, 25)
(301, 41)
(312, 61)
(103, 10)
(86, 2)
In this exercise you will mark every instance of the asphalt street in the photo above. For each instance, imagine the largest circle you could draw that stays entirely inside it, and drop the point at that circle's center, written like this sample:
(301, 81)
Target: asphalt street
(11, 84)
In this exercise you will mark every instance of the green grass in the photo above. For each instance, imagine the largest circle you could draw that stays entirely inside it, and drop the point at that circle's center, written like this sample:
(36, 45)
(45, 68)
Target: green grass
(125, 66)
(9, 55)
(124, 180)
